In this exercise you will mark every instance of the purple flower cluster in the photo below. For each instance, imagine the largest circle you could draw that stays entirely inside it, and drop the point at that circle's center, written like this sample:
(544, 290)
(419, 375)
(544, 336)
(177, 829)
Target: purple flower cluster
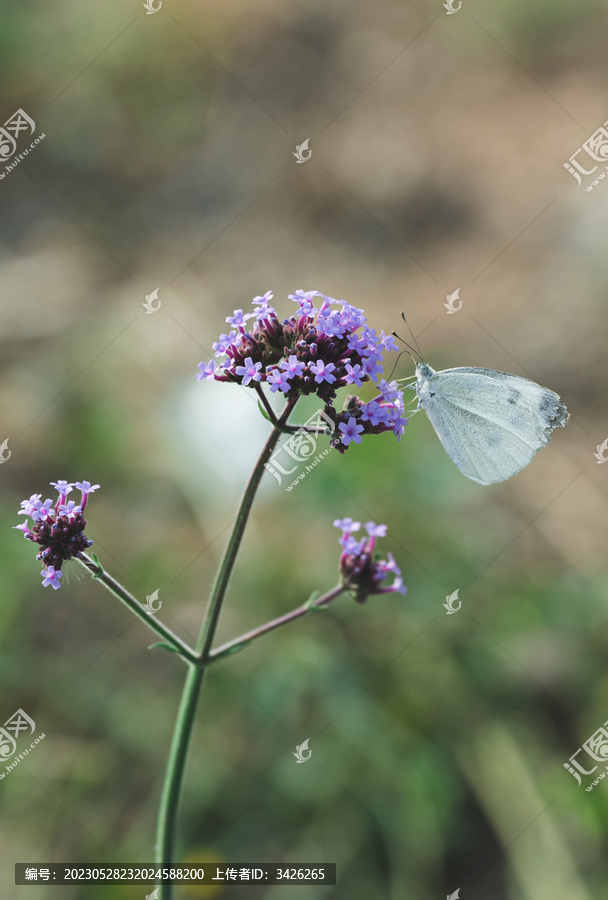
(58, 528)
(362, 571)
(383, 413)
(316, 351)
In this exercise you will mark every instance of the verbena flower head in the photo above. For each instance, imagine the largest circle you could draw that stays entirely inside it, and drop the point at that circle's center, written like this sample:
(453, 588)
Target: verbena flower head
(362, 570)
(324, 346)
(57, 527)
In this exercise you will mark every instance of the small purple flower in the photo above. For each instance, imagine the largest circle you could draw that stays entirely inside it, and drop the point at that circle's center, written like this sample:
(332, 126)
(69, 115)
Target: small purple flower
(250, 371)
(397, 586)
(355, 374)
(375, 413)
(370, 337)
(330, 323)
(351, 431)
(387, 341)
(225, 341)
(263, 308)
(351, 544)
(293, 366)
(301, 296)
(375, 530)
(62, 487)
(323, 371)
(85, 487)
(51, 576)
(305, 301)
(357, 343)
(389, 389)
(27, 506)
(347, 525)
(371, 366)
(352, 316)
(32, 499)
(24, 527)
(399, 426)
(278, 380)
(239, 318)
(390, 565)
(41, 510)
(262, 299)
(69, 509)
(206, 371)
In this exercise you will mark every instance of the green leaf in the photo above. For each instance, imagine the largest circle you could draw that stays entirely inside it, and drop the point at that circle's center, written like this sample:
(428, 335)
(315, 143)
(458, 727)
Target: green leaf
(263, 411)
(168, 647)
(236, 648)
(309, 603)
(99, 566)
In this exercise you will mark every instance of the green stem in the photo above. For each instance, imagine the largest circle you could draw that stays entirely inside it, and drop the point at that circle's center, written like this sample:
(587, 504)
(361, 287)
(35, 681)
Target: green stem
(221, 582)
(298, 613)
(288, 429)
(166, 830)
(135, 606)
(265, 403)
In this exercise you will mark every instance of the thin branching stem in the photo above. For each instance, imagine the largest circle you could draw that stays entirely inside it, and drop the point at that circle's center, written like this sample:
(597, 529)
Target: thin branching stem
(167, 818)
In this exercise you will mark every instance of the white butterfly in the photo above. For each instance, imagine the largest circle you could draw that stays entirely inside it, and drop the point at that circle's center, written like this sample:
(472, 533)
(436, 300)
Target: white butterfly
(491, 424)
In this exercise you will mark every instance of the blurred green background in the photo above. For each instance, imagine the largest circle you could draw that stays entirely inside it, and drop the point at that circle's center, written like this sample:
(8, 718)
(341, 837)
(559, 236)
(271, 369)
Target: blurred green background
(438, 144)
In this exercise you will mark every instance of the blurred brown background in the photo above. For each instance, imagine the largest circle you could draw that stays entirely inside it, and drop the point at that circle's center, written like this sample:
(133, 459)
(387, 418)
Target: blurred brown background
(438, 144)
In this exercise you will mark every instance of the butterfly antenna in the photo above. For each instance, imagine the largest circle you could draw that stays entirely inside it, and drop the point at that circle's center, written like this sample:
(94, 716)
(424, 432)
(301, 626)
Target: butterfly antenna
(397, 360)
(413, 336)
(411, 350)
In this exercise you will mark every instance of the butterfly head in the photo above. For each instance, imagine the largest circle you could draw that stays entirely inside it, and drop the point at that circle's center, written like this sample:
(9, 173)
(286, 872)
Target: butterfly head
(424, 371)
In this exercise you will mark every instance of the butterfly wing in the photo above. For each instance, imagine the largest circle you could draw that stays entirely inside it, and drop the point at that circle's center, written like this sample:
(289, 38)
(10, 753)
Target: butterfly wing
(490, 423)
